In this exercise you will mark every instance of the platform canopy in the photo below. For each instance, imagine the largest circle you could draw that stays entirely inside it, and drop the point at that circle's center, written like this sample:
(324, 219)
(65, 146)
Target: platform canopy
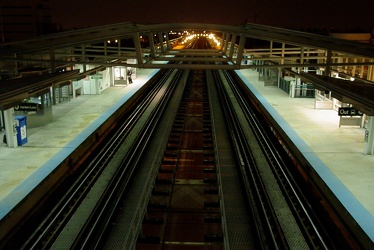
(162, 46)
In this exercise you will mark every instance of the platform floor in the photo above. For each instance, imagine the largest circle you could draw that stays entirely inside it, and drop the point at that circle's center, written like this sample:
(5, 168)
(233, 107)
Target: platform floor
(339, 148)
(24, 166)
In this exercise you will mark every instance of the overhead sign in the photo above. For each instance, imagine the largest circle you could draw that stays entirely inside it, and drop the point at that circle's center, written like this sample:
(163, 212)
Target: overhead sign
(347, 111)
(26, 107)
(97, 76)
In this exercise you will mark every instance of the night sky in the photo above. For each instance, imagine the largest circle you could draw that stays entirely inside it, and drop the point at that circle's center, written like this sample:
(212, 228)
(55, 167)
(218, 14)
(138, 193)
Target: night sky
(296, 14)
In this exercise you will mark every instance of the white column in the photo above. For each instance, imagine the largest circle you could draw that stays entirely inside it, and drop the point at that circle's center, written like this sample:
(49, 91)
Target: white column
(168, 46)
(239, 55)
(369, 137)
(226, 42)
(222, 41)
(53, 59)
(232, 46)
(370, 72)
(161, 41)
(138, 48)
(152, 45)
(111, 76)
(10, 128)
(328, 62)
(292, 89)
(301, 60)
(84, 57)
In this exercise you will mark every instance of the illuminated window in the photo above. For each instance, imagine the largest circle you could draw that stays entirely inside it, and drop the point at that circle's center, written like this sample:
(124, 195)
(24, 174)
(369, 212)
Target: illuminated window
(119, 73)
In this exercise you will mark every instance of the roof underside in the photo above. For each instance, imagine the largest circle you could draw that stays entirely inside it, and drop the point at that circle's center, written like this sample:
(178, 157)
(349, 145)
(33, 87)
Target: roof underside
(279, 48)
(91, 35)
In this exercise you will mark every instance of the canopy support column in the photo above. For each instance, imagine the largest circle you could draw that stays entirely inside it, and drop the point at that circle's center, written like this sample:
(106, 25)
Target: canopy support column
(10, 128)
(369, 137)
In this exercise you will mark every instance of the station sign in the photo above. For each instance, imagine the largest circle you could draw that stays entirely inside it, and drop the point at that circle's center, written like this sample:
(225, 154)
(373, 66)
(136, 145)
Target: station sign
(26, 107)
(348, 111)
(97, 76)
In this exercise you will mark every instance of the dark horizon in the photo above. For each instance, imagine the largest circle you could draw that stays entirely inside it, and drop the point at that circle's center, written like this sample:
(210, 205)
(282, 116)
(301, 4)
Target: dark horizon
(317, 14)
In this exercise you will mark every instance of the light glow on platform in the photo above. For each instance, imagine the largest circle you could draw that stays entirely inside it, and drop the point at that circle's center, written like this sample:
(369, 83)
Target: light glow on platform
(211, 37)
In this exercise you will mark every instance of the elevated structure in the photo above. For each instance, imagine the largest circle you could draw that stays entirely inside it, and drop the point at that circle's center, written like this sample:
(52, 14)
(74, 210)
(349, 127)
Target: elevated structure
(81, 46)
(276, 52)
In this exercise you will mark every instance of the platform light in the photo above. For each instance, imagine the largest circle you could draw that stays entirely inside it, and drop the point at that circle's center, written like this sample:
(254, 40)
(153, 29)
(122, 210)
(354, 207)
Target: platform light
(213, 39)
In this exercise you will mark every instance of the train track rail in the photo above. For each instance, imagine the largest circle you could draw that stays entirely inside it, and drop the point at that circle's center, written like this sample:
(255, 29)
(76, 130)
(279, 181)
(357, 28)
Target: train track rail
(95, 229)
(115, 162)
(260, 207)
(269, 183)
(184, 209)
(181, 201)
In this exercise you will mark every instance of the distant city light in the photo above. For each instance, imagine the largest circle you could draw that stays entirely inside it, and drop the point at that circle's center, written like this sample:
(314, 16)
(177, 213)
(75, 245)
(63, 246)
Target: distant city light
(211, 37)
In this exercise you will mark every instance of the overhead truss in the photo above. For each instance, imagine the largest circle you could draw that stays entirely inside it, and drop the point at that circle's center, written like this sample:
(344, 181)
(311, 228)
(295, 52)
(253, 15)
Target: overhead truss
(160, 46)
(123, 43)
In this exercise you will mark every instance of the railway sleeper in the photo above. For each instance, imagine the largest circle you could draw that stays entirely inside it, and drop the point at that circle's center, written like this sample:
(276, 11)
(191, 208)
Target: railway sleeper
(149, 239)
(211, 204)
(209, 170)
(208, 154)
(210, 180)
(153, 220)
(169, 162)
(157, 205)
(166, 170)
(212, 219)
(213, 238)
(164, 181)
(171, 154)
(161, 192)
(209, 161)
(211, 190)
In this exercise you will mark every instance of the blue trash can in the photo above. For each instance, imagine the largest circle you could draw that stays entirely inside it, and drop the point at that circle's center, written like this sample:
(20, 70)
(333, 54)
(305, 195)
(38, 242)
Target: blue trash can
(21, 130)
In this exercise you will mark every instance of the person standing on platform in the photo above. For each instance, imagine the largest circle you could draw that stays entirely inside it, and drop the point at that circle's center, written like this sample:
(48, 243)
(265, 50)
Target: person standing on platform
(129, 73)
(4, 139)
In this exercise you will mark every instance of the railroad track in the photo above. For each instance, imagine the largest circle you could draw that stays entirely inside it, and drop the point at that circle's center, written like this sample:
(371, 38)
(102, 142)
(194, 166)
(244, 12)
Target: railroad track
(179, 201)
(83, 205)
(187, 184)
(184, 208)
(267, 180)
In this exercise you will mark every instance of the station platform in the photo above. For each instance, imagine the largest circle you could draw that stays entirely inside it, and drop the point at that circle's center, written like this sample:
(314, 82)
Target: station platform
(24, 167)
(335, 151)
